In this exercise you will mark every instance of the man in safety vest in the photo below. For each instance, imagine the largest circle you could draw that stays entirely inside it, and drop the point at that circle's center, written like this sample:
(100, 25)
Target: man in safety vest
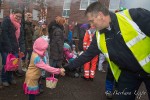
(124, 39)
(89, 67)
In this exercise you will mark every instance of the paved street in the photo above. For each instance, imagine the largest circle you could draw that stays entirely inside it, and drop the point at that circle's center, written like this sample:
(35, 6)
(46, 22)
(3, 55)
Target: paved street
(67, 89)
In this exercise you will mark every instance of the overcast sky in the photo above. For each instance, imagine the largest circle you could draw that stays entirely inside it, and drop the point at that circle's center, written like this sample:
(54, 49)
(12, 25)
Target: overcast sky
(135, 3)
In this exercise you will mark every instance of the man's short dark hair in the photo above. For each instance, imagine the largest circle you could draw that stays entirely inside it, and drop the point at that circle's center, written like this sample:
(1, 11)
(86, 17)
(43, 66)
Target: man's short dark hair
(97, 7)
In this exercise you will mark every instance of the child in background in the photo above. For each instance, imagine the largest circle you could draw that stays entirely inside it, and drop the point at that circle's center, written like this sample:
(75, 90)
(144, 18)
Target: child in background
(37, 62)
(70, 55)
(44, 34)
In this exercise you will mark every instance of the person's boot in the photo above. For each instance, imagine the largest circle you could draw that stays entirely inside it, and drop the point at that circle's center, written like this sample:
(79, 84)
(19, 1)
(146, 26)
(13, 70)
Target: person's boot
(13, 82)
(24, 65)
(1, 85)
(6, 84)
(109, 89)
(109, 95)
(41, 89)
(91, 79)
(87, 79)
(18, 74)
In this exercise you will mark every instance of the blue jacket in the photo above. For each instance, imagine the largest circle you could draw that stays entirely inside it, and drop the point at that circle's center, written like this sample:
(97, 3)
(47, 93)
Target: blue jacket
(70, 36)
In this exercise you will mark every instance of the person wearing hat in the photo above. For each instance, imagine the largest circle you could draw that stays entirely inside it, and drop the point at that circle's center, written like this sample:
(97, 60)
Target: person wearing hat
(41, 30)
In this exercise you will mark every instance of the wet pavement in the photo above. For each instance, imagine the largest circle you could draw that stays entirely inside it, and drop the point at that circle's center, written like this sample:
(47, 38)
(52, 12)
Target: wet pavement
(67, 89)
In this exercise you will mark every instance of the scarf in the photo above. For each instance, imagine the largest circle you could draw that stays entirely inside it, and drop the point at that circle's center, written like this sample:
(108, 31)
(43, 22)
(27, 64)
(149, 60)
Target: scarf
(17, 26)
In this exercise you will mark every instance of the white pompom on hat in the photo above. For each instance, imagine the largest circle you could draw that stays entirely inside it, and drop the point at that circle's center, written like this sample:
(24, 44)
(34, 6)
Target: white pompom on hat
(43, 21)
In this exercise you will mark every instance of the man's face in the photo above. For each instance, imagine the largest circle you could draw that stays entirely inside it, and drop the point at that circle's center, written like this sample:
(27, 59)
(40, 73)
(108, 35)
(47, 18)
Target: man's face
(96, 19)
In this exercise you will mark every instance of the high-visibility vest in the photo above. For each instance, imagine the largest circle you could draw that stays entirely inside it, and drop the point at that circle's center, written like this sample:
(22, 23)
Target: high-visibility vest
(135, 40)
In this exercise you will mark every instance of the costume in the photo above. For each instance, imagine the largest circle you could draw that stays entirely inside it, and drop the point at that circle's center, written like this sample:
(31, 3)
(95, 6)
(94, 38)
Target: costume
(37, 62)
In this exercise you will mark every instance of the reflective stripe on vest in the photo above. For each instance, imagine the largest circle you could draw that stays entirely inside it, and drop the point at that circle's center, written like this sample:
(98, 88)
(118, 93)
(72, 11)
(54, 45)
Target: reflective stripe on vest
(90, 34)
(134, 39)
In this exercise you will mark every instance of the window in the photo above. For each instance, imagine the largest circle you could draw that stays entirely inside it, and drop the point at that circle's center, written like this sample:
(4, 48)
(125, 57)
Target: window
(66, 8)
(85, 3)
(35, 14)
(1, 13)
(114, 5)
(66, 13)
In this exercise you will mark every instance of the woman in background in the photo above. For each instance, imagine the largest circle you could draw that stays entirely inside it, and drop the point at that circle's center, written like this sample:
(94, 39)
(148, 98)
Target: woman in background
(12, 42)
(56, 35)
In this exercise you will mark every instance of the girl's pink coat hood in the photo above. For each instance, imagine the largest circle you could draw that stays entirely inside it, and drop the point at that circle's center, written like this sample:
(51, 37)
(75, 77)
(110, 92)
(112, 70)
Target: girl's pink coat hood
(40, 45)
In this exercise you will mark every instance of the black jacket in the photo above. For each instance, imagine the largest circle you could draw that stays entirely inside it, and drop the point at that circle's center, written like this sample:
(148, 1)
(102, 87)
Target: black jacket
(118, 51)
(56, 35)
(9, 41)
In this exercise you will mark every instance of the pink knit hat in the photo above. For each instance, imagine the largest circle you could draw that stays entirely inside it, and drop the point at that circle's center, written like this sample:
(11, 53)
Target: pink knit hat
(40, 45)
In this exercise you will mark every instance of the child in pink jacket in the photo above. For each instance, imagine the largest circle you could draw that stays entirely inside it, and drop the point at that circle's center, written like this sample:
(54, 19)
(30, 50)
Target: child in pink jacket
(38, 62)
(70, 56)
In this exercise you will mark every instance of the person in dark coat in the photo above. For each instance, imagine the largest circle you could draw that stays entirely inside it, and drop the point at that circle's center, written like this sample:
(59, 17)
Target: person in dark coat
(56, 35)
(12, 42)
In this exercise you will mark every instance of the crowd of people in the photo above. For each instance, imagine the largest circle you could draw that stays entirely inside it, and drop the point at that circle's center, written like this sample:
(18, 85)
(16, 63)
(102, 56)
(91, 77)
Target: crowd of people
(41, 50)
(45, 49)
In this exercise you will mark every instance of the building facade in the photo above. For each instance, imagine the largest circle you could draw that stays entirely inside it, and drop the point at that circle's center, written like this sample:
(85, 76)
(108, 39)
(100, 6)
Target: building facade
(70, 9)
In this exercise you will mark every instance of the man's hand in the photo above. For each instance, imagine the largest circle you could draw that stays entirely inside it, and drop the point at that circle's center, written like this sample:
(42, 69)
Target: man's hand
(62, 71)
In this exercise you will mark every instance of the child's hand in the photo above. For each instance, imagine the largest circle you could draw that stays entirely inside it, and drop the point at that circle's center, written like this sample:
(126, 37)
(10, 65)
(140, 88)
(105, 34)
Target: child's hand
(62, 71)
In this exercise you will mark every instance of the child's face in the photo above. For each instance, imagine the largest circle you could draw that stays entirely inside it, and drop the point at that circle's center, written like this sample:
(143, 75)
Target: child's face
(44, 25)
